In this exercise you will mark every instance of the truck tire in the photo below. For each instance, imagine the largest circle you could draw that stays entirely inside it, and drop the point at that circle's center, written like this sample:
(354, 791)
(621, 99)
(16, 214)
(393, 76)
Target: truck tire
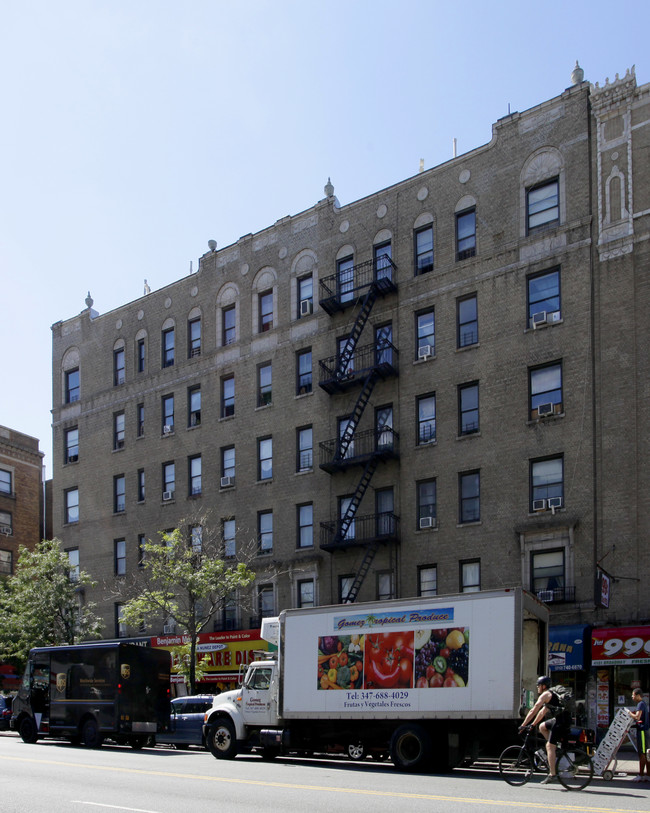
(221, 739)
(27, 730)
(410, 748)
(90, 734)
(138, 742)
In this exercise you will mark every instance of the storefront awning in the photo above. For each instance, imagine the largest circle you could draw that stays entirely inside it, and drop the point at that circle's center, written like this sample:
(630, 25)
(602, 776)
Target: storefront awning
(623, 646)
(566, 647)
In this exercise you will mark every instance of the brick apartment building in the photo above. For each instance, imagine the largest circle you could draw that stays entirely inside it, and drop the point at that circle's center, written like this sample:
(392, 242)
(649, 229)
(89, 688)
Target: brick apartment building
(440, 387)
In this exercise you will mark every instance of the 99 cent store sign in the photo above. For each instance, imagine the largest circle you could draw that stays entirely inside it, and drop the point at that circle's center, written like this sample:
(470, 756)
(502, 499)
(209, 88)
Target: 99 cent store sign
(621, 646)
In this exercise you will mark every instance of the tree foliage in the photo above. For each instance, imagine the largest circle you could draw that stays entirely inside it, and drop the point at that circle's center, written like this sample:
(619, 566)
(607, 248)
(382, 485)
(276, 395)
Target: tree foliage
(40, 605)
(186, 582)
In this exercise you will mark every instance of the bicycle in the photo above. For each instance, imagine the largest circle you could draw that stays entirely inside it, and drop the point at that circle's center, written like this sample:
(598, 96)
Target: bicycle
(573, 764)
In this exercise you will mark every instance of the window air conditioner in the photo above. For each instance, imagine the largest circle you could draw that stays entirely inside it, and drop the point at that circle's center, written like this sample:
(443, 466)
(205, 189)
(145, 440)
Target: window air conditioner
(167, 430)
(545, 409)
(556, 316)
(539, 505)
(554, 502)
(6, 530)
(305, 307)
(227, 482)
(426, 522)
(168, 629)
(545, 595)
(168, 495)
(539, 319)
(424, 352)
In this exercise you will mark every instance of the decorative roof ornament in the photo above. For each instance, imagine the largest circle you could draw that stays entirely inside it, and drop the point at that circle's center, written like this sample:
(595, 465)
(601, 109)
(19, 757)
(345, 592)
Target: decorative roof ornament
(89, 301)
(328, 188)
(147, 288)
(577, 75)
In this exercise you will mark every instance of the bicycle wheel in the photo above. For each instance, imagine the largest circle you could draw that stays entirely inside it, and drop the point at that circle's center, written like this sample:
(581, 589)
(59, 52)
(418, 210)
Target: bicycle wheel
(574, 769)
(515, 765)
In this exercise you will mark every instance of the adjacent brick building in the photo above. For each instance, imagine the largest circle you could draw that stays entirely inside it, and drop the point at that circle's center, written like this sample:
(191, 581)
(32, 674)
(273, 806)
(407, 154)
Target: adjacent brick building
(440, 387)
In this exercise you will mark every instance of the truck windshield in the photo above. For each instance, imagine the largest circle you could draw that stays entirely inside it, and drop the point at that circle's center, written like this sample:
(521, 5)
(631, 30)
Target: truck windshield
(259, 678)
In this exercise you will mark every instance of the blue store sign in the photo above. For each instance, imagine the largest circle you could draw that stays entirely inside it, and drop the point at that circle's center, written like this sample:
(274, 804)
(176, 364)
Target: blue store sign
(566, 647)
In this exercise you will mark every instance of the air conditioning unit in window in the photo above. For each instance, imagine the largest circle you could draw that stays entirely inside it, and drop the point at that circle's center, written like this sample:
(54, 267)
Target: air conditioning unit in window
(227, 482)
(167, 430)
(306, 307)
(543, 410)
(554, 503)
(556, 316)
(539, 319)
(424, 352)
(539, 505)
(427, 522)
(168, 495)
(6, 530)
(545, 595)
(169, 629)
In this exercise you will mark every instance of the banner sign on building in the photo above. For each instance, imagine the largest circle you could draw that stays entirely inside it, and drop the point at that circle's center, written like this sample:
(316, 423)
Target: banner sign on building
(620, 645)
(566, 648)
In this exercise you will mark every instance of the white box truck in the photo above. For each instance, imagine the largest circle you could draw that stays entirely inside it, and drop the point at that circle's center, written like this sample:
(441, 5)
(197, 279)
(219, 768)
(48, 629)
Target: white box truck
(425, 680)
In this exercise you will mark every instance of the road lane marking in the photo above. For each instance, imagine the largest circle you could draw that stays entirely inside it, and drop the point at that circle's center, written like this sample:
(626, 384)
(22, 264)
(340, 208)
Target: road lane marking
(112, 807)
(527, 805)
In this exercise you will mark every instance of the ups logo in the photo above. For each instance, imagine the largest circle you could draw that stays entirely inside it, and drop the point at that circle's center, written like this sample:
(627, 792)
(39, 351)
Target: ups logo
(60, 682)
(125, 671)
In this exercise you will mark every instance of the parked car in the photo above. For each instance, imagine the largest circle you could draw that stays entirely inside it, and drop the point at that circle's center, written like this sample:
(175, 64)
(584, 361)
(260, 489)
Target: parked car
(186, 721)
(5, 713)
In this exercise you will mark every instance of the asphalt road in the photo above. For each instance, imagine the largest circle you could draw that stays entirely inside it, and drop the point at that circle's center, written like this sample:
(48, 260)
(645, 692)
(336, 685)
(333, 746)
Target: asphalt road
(53, 777)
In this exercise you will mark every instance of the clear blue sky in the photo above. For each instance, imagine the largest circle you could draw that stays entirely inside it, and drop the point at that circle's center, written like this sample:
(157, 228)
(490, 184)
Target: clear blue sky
(133, 131)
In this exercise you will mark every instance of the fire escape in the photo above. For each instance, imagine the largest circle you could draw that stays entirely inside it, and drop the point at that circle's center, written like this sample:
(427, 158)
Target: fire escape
(353, 367)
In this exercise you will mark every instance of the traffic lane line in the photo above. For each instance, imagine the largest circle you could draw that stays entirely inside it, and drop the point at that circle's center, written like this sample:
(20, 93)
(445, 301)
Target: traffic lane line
(528, 805)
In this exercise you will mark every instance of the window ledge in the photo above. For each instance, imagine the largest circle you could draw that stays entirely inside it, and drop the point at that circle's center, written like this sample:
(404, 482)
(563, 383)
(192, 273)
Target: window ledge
(466, 347)
(227, 418)
(119, 513)
(264, 482)
(467, 435)
(545, 419)
(543, 327)
(194, 426)
(417, 362)
(303, 394)
(121, 449)
(470, 524)
(426, 444)
(263, 406)
(304, 471)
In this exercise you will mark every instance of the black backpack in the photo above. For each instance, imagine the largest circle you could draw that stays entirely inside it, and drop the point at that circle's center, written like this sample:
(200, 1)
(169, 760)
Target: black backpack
(566, 701)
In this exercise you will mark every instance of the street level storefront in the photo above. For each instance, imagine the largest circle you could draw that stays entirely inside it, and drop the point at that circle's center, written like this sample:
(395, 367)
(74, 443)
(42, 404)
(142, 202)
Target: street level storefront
(568, 655)
(219, 654)
(621, 660)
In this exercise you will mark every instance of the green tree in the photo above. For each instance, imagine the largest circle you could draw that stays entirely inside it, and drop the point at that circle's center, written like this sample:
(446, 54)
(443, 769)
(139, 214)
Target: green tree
(40, 605)
(187, 581)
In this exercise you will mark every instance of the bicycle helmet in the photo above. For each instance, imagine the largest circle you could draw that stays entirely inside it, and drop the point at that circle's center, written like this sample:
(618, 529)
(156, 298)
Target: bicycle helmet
(544, 681)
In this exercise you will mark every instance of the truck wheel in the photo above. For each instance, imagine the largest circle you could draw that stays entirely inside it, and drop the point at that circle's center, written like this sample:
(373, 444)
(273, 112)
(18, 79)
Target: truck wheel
(90, 734)
(138, 743)
(27, 730)
(410, 748)
(221, 739)
(356, 751)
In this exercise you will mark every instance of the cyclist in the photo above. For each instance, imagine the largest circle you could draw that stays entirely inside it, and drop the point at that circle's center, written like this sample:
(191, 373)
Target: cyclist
(554, 728)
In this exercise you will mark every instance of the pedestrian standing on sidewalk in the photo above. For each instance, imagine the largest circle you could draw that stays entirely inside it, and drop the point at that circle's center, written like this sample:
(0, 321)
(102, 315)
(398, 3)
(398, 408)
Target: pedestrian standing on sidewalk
(640, 715)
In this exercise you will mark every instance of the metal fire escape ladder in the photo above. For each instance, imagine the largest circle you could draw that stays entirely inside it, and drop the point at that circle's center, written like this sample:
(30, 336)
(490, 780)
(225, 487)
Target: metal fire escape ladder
(357, 328)
(371, 550)
(343, 444)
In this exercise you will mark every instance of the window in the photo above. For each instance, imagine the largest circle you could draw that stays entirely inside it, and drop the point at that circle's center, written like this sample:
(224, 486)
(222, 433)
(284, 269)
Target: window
(305, 516)
(345, 588)
(194, 406)
(6, 523)
(70, 448)
(168, 347)
(545, 390)
(305, 449)
(548, 573)
(468, 409)
(118, 431)
(196, 538)
(470, 576)
(141, 354)
(167, 414)
(346, 438)
(426, 419)
(71, 511)
(141, 489)
(423, 250)
(547, 481)
(194, 475)
(265, 459)
(139, 417)
(72, 386)
(384, 436)
(385, 590)
(469, 489)
(264, 384)
(119, 494)
(426, 495)
(266, 601)
(265, 302)
(119, 547)
(6, 486)
(427, 580)
(229, 325)
(265, 531)
(466, 234)
(228, 396)
(120, 627)
(384, 512)
(348, 527)
(73, 564)
(6, 563)
(119, 375)
(305, 296)
(543, 206)
(384, 344)
(306, 596)
(382, 255)
(194, 338)
(544, 298)
(345, 369)
(467, 321)
(168, 479)
(228, 461)
(141, 551)
(425, 325)
(345, 279)
(303, 372)
(229, 533)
